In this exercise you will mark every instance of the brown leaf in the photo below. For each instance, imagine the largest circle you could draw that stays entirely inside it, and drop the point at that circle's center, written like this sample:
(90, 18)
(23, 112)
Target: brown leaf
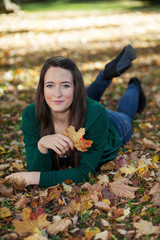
(102, 235)
(146, 228)
(4, 166)
(107, 166)
(150, 144)
(77, 138)
(155, 189)
(108, 195)
(102, 205)
(10, 236)
(156, 199)
(5, 191)
(59, 226)
(22, 202)
(120, 161)
(30, 221)
(49, 194)
(86, 186)
(120, 189)
(18, 183)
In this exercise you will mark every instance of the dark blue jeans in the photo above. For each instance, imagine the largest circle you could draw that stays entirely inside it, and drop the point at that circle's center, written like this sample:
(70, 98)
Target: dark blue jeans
(127, 107)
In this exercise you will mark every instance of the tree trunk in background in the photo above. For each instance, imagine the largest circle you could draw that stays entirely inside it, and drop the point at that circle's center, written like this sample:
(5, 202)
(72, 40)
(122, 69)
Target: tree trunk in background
(7, 6)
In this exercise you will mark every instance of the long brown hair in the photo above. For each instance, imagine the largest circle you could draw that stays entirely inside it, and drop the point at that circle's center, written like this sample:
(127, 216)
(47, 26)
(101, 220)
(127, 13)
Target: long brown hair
(77, 109)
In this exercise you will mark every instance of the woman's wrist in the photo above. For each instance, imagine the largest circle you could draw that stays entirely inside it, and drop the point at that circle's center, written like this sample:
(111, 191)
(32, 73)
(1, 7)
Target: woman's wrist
(34, 178)
(41, 148)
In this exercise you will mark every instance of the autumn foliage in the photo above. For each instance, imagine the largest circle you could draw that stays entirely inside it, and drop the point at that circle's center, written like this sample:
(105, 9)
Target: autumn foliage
(77, 138)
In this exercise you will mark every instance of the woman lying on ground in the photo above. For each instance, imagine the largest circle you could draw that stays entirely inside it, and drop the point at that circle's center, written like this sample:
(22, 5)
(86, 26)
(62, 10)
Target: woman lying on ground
(61, 101)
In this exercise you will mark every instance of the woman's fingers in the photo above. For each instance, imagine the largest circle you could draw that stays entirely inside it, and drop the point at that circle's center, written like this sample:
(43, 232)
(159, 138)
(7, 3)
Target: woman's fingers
(57, 142)
(61, 147)
(67, 140)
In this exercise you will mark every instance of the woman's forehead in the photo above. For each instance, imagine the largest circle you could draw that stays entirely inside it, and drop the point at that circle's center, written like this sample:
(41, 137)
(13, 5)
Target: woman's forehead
(58, 74)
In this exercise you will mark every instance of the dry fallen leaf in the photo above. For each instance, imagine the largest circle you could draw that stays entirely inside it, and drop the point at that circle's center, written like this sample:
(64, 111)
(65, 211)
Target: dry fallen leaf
(67, 188)
(126, 212)
(22, 202)
(77, 138)
(4, 190)
(102, 235)
(31, 221)
(120, 189)
(128, 169)
(91, 232)
(149, 144)
(103, 178)
(102, 205)
(146, 228)
(4, 166)
(5, 212)
(18, 166)
(155, 189)
(18, 183)
(36, 237)
(59, 226)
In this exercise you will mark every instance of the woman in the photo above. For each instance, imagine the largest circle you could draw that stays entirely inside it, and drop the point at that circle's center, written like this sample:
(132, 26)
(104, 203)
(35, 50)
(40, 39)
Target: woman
(60, 102)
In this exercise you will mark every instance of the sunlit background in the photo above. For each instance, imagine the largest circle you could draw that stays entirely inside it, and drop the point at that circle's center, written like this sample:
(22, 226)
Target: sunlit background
(90, 33)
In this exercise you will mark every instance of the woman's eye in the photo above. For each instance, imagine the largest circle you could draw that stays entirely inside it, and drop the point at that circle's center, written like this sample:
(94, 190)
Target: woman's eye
(49, 85)
(66, 85)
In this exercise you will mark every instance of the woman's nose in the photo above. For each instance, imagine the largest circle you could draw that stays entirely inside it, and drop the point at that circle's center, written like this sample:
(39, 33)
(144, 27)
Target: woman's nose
(58, 91)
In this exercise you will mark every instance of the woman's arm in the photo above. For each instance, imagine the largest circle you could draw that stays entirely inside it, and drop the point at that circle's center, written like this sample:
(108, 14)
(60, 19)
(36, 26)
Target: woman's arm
(30, 178)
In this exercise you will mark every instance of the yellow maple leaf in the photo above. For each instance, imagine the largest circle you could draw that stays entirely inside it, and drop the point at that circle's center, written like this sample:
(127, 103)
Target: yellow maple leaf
(155, 159)
(128, 169)
(30, 221)
(5, 212)
(91, 232)
(77, 138)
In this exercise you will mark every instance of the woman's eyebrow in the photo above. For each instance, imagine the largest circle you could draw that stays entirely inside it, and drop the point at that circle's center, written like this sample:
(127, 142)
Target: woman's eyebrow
(66, 82)
(48, 82)
(61, 82)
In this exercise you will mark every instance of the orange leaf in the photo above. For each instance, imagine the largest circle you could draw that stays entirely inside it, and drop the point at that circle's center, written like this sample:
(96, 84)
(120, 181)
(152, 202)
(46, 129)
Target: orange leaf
(31, 221)
(77, 138)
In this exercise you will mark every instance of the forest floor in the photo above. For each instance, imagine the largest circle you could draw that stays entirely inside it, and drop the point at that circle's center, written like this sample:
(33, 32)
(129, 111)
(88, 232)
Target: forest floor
(123, 200)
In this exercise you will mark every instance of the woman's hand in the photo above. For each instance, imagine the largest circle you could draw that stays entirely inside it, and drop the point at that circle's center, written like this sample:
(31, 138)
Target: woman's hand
(30, 178)
(57, 142)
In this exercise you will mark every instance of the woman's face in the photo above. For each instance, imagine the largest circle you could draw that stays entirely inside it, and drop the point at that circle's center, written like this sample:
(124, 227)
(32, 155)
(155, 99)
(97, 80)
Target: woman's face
(58, 89)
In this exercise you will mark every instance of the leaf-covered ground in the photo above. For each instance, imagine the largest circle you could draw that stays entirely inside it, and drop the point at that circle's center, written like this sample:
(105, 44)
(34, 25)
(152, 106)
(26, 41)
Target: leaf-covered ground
(123, 200)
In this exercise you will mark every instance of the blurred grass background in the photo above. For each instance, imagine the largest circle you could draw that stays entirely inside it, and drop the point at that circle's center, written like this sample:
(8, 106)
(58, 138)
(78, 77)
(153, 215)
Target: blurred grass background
(88, 5)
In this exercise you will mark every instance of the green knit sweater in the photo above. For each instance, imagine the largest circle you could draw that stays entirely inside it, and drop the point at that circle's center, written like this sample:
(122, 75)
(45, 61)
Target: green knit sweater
(106, 143)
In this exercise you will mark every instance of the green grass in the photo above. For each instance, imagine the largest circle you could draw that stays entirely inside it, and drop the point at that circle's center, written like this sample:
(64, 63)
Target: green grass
(96, 5)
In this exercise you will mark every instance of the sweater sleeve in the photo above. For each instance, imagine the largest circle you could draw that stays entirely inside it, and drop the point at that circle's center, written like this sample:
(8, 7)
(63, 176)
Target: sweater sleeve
(97, 131)
(36, 161)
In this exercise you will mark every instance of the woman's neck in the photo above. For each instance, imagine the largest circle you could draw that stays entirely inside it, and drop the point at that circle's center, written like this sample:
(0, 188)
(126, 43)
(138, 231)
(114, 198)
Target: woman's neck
(60, 121)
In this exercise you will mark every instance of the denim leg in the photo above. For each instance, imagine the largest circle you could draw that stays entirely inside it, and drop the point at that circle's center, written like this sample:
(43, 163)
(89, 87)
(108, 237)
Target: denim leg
(97, 88)
(128, 104)
(122, 123)
(127, 108)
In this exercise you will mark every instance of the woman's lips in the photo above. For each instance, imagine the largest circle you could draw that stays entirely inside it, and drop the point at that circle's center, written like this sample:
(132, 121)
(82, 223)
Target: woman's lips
(57, 102)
